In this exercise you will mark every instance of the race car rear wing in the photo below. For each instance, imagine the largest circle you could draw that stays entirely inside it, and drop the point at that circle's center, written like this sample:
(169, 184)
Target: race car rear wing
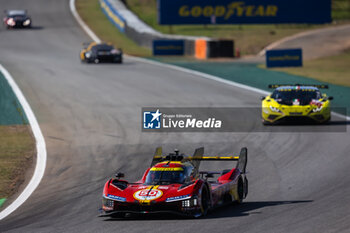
(197, 157)
(321, 86)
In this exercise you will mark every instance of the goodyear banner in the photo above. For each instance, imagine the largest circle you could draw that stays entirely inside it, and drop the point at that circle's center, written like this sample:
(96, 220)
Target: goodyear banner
(284, 58)
(243, 12)
(168, 47)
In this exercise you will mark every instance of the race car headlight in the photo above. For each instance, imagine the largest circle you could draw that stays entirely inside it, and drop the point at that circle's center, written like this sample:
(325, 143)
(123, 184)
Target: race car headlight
(318, 109)
(88, 54)
(114, 51)
(11, 22)
(186, 203)
(190, 202)
(275, 109)
(108, 202)
(27, 22)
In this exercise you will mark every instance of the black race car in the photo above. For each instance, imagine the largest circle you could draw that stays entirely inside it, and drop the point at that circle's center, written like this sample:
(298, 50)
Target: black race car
(100, 52)
(17, 19)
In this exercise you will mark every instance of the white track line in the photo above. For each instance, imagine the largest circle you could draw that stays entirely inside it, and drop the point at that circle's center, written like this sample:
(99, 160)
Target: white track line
(40, 148)
(82, 23)
(204, 75)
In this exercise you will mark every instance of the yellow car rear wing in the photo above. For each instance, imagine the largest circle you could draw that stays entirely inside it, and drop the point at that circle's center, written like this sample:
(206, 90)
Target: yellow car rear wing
(321, 86)
(198, 156)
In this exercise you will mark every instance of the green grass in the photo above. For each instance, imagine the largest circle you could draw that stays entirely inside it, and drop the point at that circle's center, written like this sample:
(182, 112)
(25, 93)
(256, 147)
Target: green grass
(250, 39)
(340, 9)
(333, 69)
(17, 148)
(90, 11)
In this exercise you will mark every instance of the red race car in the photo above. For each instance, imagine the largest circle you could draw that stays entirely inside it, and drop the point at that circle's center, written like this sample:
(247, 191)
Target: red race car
(174, 184)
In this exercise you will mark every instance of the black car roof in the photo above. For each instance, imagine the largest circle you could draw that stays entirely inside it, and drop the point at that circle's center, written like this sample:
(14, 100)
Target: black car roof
(16, 12)
(102, 46)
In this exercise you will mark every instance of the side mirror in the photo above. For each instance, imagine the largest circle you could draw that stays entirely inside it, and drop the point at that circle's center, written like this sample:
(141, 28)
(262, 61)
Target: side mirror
(330, 97)
(119, 175)
(262, 98)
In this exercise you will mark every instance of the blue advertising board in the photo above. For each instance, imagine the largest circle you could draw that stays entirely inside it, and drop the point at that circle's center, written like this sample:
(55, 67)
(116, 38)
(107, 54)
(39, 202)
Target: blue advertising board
(168, 47)
(243, 12)
(284, 58)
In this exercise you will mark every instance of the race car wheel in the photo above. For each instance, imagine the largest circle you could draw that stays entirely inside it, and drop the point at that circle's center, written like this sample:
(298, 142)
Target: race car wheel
(240, 190)
(265, 122)
(204, 201)
(96, 61)
(245, 187)
(326, 122)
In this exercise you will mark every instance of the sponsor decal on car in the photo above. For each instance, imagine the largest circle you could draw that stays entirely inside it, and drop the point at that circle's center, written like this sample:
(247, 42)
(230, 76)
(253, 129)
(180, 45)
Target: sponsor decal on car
(148, 194)
(116, 198)
(178, 198)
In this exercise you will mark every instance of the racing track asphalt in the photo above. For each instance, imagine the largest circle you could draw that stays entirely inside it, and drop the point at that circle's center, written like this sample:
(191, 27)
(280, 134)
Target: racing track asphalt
(90, 118)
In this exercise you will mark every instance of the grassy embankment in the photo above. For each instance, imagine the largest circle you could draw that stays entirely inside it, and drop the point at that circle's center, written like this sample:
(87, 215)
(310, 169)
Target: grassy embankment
(17, 148)
(333, 69)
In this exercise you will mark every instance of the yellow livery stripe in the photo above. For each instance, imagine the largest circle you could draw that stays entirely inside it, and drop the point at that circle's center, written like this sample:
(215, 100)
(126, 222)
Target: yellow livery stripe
(167, 169)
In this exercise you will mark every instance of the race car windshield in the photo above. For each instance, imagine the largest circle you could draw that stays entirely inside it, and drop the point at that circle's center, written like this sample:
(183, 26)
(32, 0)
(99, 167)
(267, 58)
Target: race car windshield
(102, 47)
(288, 97)
(165, 177)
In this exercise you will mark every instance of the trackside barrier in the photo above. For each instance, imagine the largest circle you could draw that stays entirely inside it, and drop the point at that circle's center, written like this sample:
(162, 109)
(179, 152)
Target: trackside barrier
(220, 48)
(113, 15)
(284, 58)
(201, 49)
(214, 48)
(145, 36)
(168, 47)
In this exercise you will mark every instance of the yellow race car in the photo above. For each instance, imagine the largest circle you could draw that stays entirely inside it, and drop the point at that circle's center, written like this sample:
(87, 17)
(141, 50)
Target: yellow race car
(296, 102)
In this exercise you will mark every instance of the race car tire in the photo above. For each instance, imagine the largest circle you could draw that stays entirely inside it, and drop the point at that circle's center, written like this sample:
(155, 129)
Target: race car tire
(205, 199)
(245, 187)
(326, 122)
(264, 122)
(240, 190)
